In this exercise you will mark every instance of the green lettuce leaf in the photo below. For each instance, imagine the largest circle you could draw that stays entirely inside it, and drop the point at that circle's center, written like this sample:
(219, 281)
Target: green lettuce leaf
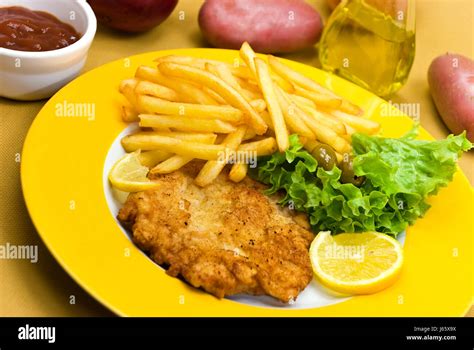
(406, 165)
(400, 174)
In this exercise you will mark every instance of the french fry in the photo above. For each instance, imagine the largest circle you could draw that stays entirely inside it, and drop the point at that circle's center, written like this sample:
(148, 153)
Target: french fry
(290, 112)
(309, 84)
(218, 85)
(282, 83)
(326, 135)
(248, 56)
(185, 123)
(349, 107)
(175, 162)
(250, 90)
(196, 62)
(303, 139)
(242, 72)
(309, 145)
(150, 74)
(238, 172)
(350, 130)
(212, 169)
(322, 118)
(359, 123)
(159, 106)
(174, 145)
(151, 158)
(220, 138)
(347, 137)
(319, 116)
(319, 99)
(127, 89)
(129, 114)
(222, 71)
(293, 76)
(300, 100)
(251, 95)
(127, 83)
(249, 134)
(171, 164)
(263, 147)
(238, 71)
(187, 91)
(214, 95)
(249, 84)
(148, 88)
(305, 86)
(141, 140)
(186, 60)
(278, 121)
(268, 120)
(200, 137)
(259, 105)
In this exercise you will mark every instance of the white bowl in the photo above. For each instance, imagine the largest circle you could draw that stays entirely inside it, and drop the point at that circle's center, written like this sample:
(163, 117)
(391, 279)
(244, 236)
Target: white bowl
(36, 75)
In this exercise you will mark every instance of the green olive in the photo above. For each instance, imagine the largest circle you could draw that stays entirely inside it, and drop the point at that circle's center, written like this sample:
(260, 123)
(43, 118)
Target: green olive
(348, 175)
(325, 156)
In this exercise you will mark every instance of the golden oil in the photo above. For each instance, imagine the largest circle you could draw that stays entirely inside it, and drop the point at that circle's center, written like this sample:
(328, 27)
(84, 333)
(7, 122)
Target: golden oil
(370, 42)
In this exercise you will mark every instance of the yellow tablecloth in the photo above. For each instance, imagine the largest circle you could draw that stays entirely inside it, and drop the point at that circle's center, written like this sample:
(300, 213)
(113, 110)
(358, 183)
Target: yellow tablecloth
(44, 289)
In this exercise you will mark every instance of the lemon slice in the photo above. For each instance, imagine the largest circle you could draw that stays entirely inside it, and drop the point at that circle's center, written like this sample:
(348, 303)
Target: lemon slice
(356, 263)
(129, 175)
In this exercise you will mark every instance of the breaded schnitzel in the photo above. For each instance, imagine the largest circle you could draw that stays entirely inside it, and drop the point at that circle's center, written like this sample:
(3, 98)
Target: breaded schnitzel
(226, 238)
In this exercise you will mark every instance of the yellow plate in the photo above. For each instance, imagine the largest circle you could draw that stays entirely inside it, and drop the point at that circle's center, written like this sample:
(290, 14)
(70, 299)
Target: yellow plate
(64, 188)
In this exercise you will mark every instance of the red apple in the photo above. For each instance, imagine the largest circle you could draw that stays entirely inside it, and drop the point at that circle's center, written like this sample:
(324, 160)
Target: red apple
(132, 16)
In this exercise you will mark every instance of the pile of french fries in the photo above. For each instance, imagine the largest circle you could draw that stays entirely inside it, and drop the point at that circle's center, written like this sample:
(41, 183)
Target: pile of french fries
(195, 108)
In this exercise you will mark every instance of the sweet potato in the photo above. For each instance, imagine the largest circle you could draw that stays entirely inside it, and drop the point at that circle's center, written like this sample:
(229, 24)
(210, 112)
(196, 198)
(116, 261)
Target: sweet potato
(451, 80)
(269, 26)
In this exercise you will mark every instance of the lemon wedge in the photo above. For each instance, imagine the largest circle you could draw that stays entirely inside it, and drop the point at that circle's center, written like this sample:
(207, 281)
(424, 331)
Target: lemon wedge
(356, 263)
(129, 175)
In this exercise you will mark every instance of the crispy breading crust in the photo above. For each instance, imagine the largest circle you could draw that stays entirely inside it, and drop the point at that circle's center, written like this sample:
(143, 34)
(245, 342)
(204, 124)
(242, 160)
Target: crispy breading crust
(225, 238)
